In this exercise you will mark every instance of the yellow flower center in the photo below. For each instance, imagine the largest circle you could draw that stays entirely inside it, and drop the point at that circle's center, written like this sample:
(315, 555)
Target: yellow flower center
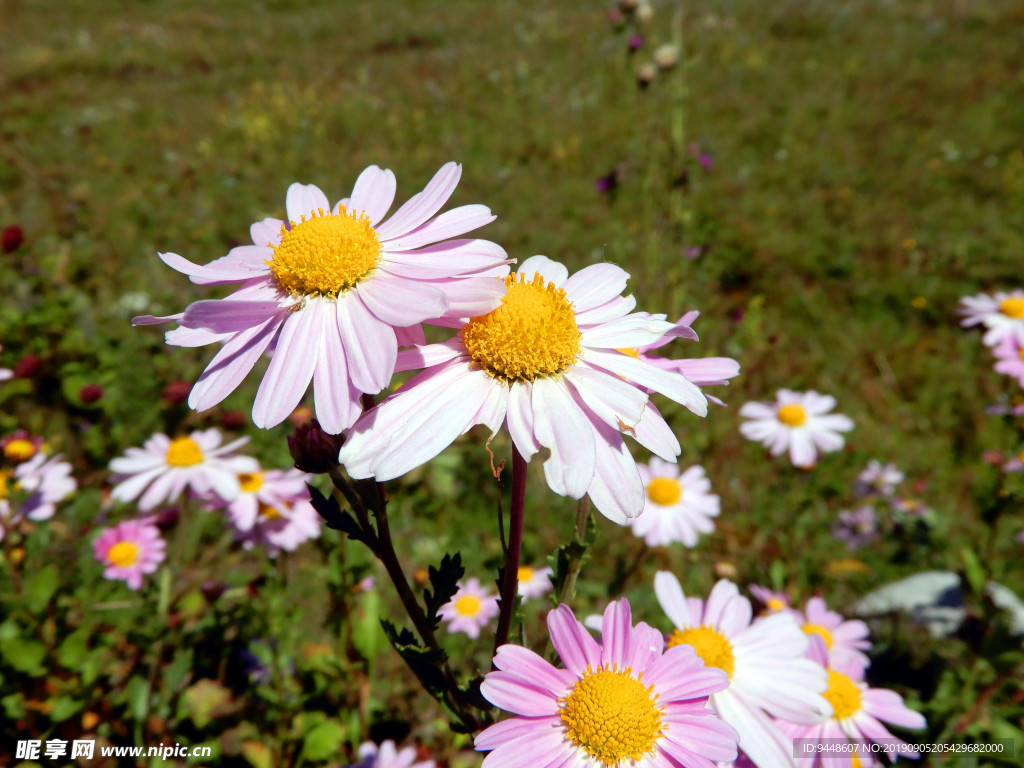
(525, 573)
(774, 604)
(532, 335)
(19, 450)
(710, 644)
(1012, 307)
(250, 483)
(468, 605)
(612, 715)
(123, 554)
(843, 694)
(269, 513)
(792, 415)
(184, 452)
(820, 631)
(325, 255)
(5, 475)
(664, 491)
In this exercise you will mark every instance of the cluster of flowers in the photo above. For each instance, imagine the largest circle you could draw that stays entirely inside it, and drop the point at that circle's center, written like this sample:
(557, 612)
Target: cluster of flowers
(32, 483)
(722, 686)
(877, 484)
(334, 292)
(267, 507)
(473, 606)
(1001, 314)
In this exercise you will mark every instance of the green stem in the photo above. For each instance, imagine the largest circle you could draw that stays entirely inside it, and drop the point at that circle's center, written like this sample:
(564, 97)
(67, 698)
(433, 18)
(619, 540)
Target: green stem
(510, 580)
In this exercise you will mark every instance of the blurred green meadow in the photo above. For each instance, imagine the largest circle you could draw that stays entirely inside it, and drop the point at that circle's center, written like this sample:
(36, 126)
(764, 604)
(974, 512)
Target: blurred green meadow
(822, 180)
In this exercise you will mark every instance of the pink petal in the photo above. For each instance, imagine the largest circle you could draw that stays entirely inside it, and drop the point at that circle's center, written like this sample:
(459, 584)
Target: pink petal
(231, 364)
(371, 348)
(575, 647)
(451, 223)
(447, 259)
(303, 200)
(626, 332)
(423, 205)
(560, 425)
(608, 397)
(519, 416)
(672, 385)
(401, 302)
(373, 193)
(266, 232)
(620, 306)
(221, 316)
(616, 489)
(552, 271)
(595, 285)
(206, 275)
(509, 691)
(672, 600)
(336, 400)
(760, 738)
(532, 668)
(291, 367)
(654, 434)
(514, 729)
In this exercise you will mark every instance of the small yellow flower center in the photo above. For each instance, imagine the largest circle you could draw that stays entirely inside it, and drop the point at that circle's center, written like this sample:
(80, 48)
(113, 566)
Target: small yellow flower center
(710, 644)
(843, 694)
(250, 483)
(19, 450)
(532, 335)
(468, 605)
(612, 715)
(123, 554)
(774, 604)
(269, 513)
(792, 415)
(325, 255)
(525, 573)
(820, 631)
(1012, 307)
(665, 491)
(184, 452)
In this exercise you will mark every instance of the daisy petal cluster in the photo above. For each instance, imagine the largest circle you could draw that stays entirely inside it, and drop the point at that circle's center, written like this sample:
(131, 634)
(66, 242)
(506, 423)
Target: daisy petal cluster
(33, 489)
(282, 526)
(800, 422)
(130, 550)
(623, 702)
(857, 714)
(387, 755)
(554, 364)
(164, 468)
(1001, 314)
(470, 608)
(262, 491)
(879, 479)
(679, 505)
(533, 582)
(334, 291)
(769, 676)
(773, 600)
(856, 527)
(1009, 355)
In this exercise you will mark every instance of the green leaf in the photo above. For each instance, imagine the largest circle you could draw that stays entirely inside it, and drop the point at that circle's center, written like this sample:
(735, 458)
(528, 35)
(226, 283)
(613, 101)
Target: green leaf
(257, 755)
(40, 588)
(974, 571)
(425, 663)
(13, 706)
(445, 581)
(73, 651)
(323, 742)
(205, 701)
(63, 708)
(366, 634)
(175, 672)
(25, 655)
(136, 695)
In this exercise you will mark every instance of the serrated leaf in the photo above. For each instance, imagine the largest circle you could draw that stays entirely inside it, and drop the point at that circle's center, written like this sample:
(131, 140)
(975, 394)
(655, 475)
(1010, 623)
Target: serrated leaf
(445, 581)
(333, 516)
(425, 663)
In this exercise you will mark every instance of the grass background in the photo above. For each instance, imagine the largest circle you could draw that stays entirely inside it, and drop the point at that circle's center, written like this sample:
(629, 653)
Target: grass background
(868, 170)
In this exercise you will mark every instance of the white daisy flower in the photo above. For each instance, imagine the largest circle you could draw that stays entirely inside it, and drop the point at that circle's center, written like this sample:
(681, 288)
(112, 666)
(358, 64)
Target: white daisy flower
(799, 422)
(1002, 315)
(769, 676)
(679, 506)
(162, 469)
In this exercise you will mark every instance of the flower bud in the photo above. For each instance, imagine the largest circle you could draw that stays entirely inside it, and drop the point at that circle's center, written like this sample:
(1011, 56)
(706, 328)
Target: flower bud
(90, 393)
(312, 449)
(11, 238)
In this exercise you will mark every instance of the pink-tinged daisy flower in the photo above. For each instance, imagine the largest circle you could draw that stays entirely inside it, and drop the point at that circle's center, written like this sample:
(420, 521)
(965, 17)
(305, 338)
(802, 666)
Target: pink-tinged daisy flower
(1016, 464)
(281, 526)
(548, 364)
(679, 506)
(1002, 315)
(387, 755)
(797, 421)
(769, 677)
(858, 713)
(878, 479)
(130, 550)
(335, 291)
(1009, 354)
(772, 600)
(534, 582)
(277, 489)
(845, 640)
(33, 489)
(623, 702)
(856, 527)
(702, 371)
(163, 469)
(470, 608)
